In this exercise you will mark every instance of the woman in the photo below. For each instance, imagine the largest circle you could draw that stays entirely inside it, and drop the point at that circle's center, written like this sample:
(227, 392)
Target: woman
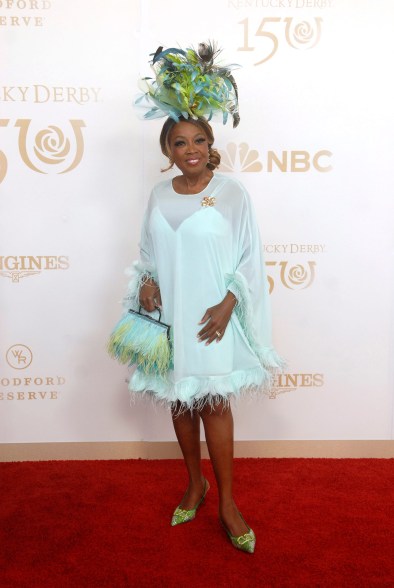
(201, 264)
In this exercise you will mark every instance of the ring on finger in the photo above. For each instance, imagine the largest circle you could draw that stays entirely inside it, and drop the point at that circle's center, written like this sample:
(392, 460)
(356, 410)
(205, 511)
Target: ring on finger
(218, 333)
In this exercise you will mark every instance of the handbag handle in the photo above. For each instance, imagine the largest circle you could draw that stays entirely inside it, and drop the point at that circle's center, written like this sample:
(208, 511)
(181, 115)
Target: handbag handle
(157, 308)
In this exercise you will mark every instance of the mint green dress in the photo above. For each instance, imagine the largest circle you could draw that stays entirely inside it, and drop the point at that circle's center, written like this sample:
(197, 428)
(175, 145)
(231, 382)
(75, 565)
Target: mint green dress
(196, 253)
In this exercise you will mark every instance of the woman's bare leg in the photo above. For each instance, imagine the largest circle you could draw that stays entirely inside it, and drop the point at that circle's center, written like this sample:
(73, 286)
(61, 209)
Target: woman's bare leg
(187, 430)
(219, 433)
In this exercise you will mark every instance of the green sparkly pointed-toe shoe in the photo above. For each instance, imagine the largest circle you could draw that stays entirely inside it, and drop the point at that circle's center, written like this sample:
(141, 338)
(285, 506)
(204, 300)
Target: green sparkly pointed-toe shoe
(183, 516)
(245, 542)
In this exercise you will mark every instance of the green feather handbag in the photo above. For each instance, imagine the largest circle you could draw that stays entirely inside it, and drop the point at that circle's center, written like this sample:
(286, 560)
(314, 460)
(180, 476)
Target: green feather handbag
(142, 340)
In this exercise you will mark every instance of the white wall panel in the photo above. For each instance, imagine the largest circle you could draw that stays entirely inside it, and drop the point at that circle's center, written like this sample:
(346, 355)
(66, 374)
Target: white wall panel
(323, 100)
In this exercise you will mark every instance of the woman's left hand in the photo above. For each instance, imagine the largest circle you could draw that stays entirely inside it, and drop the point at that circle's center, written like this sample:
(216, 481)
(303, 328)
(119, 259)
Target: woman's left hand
(219, 316)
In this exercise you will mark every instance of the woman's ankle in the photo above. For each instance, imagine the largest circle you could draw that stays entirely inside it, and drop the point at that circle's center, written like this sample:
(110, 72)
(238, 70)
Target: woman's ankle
(197, 481)
(226, 503)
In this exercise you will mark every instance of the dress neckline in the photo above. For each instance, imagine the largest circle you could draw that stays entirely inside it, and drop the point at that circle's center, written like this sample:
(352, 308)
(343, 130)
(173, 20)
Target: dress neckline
(197, 193)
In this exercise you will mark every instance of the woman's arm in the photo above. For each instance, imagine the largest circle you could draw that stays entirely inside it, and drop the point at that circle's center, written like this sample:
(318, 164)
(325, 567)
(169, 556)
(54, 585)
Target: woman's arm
(149, 296)
(143, 286)
(219, 316)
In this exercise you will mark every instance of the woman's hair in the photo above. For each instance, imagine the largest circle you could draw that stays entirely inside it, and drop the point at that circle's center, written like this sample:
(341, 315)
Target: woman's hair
(214, 155)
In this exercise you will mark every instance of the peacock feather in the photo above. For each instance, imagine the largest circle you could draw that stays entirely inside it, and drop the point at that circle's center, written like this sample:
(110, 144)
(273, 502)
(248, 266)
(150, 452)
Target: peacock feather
(189, 83)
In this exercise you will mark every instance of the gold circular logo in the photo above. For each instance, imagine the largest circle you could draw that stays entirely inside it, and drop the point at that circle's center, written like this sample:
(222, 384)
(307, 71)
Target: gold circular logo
(19, 356)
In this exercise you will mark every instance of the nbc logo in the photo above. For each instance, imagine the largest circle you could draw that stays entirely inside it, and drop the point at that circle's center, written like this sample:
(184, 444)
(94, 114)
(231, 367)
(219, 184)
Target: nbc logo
(240, 158)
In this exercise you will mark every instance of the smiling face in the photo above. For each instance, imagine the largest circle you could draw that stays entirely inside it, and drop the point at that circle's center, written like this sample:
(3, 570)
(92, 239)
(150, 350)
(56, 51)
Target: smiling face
(189, 148)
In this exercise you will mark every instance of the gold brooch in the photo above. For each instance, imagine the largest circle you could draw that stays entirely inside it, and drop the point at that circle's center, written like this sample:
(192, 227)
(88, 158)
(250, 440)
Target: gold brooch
(208, 201)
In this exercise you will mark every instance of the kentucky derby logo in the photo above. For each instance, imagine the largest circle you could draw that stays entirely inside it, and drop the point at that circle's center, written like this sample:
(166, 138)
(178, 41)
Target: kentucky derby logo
(240, 158)
(299, 34)
(49, 149)
(3, 159)
(293, 277)
(302, 34)
(19, 357)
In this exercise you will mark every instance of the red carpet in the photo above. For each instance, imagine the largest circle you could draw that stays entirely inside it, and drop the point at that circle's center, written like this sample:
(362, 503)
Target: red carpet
(319, 522)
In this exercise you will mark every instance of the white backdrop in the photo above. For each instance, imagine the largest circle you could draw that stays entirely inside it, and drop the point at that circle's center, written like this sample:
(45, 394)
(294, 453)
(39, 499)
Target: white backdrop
(314, 148)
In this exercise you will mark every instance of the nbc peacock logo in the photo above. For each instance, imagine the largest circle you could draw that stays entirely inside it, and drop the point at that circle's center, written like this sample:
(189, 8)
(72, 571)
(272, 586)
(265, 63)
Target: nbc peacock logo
(240, 158)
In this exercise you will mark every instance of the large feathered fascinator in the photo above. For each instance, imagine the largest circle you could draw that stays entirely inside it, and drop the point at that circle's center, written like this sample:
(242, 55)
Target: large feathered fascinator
(189, 83)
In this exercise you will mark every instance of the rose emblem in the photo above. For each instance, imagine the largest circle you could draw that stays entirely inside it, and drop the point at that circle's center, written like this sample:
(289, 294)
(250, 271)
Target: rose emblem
(51, 146)
(304, 34)
(298, 276)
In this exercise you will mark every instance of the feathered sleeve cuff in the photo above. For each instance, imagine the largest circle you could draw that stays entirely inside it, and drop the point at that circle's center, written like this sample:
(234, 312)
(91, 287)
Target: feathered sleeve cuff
(139, 272)
(268, 357)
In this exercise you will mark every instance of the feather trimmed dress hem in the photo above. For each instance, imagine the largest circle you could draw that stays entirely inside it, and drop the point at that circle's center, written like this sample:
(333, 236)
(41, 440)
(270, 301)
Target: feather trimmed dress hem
(195, 392)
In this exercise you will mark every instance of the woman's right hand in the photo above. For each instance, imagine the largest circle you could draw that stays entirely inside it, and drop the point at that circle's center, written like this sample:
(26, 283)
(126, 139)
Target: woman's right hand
(150, 297)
